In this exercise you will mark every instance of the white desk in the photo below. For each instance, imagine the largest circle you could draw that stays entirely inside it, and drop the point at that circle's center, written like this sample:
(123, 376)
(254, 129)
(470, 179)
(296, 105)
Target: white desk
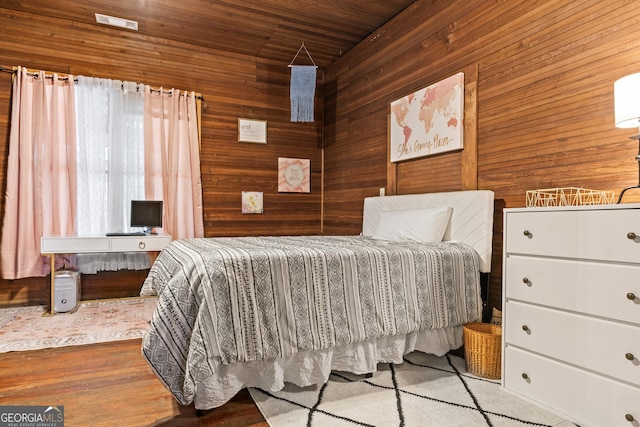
(52, 245)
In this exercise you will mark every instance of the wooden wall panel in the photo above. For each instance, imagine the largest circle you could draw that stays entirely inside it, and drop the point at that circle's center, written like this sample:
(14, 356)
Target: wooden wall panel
(544, 113)
(544, 102)
(232, 85)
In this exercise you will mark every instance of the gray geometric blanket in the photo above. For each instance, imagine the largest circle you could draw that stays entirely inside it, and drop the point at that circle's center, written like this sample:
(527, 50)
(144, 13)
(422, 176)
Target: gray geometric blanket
(253, 298)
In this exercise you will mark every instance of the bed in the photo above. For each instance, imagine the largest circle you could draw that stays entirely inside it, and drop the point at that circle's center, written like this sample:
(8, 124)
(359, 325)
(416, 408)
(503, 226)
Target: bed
(261, 311)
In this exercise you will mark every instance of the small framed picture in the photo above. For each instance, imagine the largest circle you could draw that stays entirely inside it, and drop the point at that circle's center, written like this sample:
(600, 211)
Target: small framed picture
(252, 131)
(252, 202)
(294, 175)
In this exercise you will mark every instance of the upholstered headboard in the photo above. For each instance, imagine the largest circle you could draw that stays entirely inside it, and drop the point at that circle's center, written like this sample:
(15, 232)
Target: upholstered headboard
(471, 221)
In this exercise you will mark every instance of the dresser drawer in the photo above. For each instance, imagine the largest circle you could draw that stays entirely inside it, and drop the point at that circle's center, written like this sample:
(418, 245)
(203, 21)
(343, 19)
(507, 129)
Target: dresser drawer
(596, 344)
(602, 289)
(592, 399)
(586, 234)
(139, 243)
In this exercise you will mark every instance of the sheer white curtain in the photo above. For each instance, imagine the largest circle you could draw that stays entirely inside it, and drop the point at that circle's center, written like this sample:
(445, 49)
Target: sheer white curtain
(110, 157)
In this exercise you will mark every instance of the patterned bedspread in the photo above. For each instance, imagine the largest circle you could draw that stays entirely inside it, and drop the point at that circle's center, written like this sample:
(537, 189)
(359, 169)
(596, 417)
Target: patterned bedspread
(253, 298)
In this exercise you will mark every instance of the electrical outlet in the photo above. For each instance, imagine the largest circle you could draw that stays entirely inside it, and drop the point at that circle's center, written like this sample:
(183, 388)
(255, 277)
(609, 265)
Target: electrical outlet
(381, 191)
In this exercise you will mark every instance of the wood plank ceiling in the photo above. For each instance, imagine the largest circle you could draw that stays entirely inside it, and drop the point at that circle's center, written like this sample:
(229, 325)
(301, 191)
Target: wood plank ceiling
(269, 29)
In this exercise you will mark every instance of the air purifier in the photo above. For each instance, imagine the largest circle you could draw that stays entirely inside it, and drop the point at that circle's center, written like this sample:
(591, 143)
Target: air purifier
(66, 291)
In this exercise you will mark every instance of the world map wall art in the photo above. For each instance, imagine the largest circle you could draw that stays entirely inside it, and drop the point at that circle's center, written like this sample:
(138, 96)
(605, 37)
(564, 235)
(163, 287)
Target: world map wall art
(428, 121)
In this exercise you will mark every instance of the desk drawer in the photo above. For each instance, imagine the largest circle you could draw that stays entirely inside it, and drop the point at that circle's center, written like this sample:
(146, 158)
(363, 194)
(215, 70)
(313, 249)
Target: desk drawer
(602, 289)
(585, 234)
(73, 245)
(592, 399)
(139, 243)
(600, 345)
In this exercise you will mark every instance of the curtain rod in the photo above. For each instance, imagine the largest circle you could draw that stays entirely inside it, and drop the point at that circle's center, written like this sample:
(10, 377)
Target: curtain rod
(66, 78)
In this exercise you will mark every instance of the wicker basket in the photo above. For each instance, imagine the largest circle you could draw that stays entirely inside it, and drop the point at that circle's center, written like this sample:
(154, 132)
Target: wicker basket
(483, 349)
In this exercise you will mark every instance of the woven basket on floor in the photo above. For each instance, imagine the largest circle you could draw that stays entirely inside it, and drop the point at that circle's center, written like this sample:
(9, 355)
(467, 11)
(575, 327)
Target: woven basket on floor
(483, 349)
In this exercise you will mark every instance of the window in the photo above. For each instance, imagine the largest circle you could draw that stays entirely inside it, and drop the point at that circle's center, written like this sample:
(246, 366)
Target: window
(50, 177)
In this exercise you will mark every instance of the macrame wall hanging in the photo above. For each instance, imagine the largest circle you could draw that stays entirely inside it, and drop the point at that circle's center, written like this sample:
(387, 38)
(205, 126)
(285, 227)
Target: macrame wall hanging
(302, 89)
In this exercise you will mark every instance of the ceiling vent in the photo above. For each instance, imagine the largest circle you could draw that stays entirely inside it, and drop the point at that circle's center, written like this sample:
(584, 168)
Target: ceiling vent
(116, 22)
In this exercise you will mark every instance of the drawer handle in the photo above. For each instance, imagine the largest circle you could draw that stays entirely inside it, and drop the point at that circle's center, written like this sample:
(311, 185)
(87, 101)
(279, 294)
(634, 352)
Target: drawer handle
(631, 235)
(530, 234)
(631, 296)
(526, 328)
(142, 245)
(525, 376)
(526, 281)
(629, 418)
(629, 356)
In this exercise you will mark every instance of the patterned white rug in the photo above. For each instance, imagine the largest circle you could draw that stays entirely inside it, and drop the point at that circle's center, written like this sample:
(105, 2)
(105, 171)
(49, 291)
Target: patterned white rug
(425, 391)
(25, 328)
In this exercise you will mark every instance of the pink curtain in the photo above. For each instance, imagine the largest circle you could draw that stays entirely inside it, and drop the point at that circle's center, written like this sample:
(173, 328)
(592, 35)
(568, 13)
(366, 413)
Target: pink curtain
(172, 160)
(41, 171)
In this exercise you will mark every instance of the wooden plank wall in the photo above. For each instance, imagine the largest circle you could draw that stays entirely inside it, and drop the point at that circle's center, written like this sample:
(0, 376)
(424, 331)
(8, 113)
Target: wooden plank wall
(544, 109)
(232, 85)
(544, 102)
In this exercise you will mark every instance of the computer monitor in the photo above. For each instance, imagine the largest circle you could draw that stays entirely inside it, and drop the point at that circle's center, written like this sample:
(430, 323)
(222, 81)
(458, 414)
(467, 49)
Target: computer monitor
(146, 214)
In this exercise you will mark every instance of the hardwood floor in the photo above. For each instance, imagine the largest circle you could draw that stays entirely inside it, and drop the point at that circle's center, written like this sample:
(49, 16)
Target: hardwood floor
(108, 384)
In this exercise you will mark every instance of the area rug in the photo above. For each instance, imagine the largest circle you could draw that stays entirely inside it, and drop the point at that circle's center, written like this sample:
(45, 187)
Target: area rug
(425, 391)
(25, 328)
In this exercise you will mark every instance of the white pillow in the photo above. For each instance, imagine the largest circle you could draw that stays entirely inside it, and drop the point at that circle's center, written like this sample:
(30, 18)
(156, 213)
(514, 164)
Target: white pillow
(422, 224)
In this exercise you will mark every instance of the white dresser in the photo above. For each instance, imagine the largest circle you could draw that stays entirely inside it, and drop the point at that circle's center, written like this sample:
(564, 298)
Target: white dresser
(571, 311)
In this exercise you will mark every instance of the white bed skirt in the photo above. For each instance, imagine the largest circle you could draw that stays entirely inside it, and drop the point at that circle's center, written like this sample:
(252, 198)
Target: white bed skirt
(314, 367)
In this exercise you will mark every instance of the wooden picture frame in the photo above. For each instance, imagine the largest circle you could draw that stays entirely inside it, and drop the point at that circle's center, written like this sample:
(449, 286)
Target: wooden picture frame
(250, 130)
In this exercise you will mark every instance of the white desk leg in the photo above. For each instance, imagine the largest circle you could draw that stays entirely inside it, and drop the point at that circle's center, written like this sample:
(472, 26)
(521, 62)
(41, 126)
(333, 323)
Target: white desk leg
(52, 285)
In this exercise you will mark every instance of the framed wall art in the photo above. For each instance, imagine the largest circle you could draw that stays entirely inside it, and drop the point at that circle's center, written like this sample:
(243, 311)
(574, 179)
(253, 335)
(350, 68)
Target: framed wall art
(428, 121)
(252, 202)
(294, 175)
(252, 131)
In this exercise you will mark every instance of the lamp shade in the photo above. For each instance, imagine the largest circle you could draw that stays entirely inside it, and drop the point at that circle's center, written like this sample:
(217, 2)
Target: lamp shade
(627, 101)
